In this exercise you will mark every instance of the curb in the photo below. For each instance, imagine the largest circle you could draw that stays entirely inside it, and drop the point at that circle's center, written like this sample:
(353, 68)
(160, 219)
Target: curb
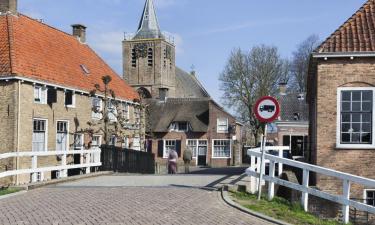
(13, 194)
(230, 202)
(68, 179)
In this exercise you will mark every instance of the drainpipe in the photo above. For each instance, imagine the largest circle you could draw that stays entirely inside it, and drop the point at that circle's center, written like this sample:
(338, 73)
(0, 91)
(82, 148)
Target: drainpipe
(18, 129)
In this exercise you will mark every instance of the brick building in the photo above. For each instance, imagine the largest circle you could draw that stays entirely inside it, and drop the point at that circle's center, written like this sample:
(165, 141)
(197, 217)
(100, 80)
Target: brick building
(46, 79)
(181, 113)
(341, 88)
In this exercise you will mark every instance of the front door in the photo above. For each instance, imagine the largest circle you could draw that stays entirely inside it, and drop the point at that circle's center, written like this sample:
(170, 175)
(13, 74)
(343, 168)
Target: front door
(202, 153)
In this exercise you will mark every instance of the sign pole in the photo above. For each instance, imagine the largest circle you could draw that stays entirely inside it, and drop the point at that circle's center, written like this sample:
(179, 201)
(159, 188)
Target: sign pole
(262, 167)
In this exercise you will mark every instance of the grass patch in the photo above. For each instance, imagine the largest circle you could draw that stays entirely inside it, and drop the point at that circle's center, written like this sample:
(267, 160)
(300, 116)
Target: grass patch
(6, 191)
(279, 208)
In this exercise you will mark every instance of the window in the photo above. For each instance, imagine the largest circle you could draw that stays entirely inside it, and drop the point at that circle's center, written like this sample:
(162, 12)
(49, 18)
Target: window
(125, 143)
(96, 108)
(96, 141)
(150, 57)
(69, 98)
(125, 111)
(355, 118)
(51, 95)
(61, 136)
(134, 58)
(137, 115)
(40, 95)
(112, 140)
(198, 147)
(84, 69)
(112, 111)
(168, 146)
(179, 126)
(222, 125)
(137, 143)
(78, 141)
(39, 142)
(370, 197)
(221, 149)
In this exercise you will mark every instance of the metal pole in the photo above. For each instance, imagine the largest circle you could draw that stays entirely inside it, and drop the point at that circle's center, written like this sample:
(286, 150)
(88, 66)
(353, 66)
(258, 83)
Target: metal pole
(263, 146)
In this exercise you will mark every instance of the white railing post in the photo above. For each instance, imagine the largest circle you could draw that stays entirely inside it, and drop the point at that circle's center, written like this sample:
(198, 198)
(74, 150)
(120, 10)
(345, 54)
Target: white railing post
(34, 165)
(346, 195)
(305, 195)
(63, 172)
(253, 180)
(271, 184)
(88, 161)
(280, 165)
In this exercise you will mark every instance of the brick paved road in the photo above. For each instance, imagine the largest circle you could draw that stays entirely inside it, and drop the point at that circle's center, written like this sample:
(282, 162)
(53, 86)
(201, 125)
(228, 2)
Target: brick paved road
(120, 205)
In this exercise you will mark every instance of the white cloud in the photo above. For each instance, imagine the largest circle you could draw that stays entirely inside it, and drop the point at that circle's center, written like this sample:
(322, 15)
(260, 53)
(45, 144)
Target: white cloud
(108, 42)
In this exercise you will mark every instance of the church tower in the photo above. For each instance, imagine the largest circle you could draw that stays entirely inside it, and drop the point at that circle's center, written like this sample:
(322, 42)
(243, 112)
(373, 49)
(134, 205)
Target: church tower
(149, 59)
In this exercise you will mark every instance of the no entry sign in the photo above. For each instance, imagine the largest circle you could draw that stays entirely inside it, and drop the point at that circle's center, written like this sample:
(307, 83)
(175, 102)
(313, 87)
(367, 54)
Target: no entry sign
(267, 109)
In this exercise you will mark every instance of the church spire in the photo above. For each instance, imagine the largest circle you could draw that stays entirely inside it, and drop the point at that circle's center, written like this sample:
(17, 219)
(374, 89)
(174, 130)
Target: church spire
(148, 26)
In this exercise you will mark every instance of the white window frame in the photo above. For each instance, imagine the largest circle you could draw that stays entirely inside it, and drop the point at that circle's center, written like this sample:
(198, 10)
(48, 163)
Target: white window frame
(82, 141)
(196, 146)
(338, 119)
(137, 115)
(111, 106)
(138, 146)
(217, 126)
(100, 137)
(67, 135)
(42, 94)
(113, 140)
(365, 195)
(73, 105)
(126, 110)
(125, 143)
(96, 116)
(46, 133)
(175, 126)
(213, 149)
(165, 154)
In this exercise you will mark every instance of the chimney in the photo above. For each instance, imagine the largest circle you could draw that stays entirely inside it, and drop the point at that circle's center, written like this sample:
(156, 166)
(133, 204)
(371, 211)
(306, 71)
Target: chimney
(282, 88)
(7, 6)
(79, 31)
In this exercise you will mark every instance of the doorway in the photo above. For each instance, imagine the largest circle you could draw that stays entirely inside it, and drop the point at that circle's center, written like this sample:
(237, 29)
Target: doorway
(202, 153)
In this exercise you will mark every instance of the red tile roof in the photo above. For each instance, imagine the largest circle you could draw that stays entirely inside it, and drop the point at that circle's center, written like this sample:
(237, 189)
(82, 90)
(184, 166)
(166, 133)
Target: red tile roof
(357, 34)
(31, 49)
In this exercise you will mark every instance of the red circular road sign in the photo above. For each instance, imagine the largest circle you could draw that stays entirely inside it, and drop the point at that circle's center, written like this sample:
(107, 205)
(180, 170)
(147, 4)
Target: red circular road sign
(267, 109)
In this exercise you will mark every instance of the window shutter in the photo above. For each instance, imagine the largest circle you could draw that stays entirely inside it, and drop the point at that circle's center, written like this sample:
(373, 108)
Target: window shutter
(178, 148)
(160, 148)
(68, 98)
(51, 95)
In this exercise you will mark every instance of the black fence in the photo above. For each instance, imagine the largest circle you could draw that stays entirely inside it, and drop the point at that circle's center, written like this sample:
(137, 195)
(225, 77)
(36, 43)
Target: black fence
(127, 161)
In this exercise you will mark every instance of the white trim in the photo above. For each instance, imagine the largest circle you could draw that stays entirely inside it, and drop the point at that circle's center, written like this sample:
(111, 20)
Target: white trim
(73, 105)
(365, 195)
(230, 149)
(43, 83)
(343, 55)
(338, 119)
(42, 93)
(175, 145)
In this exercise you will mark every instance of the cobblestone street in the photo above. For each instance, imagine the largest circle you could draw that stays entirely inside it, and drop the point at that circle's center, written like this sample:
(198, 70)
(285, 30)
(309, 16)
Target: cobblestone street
(78, 203)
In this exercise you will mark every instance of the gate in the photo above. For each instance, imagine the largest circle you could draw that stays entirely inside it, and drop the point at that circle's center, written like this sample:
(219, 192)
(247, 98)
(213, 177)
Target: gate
(127, 161)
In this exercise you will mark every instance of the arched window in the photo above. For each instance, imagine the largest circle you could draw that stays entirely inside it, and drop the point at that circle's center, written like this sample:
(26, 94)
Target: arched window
(150, 57)
(134, 58)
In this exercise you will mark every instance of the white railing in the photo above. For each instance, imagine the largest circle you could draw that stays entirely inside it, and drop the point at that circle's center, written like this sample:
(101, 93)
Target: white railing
(88, 159)
(346, 178)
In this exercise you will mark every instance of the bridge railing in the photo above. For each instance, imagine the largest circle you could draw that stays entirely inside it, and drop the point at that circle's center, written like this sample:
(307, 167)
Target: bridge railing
(347, 180)
(88, 159)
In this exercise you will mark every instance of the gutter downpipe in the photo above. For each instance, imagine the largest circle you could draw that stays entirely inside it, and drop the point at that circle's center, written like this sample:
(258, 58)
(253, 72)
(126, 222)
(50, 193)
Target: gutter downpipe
(18, 129)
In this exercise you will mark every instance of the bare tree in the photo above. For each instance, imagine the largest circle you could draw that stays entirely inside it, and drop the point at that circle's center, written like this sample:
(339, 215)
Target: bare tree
(248, 76)
(300, 62)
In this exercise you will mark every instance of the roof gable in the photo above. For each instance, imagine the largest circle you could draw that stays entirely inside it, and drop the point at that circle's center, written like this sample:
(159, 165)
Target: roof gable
(40, 52)
(357, 34)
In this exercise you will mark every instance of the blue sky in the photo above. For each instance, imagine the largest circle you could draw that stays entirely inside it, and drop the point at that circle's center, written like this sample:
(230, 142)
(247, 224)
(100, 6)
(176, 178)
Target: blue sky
(205, 31)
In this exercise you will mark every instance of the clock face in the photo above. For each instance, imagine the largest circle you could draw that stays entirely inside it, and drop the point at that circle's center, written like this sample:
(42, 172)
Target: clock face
(141, 50)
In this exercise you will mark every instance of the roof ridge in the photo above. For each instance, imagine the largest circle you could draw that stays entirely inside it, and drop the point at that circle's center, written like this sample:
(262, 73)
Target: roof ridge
(320, 48)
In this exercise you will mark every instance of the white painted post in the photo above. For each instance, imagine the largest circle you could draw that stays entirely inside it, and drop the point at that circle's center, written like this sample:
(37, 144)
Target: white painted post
(262, 164)
(280, 165)
(271, 184)
(305, 195)
(34, 165)
(253, 180)
(346, 194)
(63, 172)
(88, 161)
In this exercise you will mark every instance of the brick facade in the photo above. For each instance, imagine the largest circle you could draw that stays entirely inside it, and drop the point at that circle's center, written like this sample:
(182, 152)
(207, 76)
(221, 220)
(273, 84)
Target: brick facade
(330, 75)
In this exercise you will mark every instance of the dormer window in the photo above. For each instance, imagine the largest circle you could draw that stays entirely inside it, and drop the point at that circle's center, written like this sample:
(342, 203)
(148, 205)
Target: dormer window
(179, 126)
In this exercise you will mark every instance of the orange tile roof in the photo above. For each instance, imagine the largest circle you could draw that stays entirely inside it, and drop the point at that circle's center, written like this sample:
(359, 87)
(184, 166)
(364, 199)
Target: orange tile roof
(357, 34)
(31, 49)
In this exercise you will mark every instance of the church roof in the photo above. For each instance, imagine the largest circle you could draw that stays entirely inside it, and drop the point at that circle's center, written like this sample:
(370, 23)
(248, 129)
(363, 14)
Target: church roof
(148, 26)
(357, 34)
(188, 86)
(31, 49)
